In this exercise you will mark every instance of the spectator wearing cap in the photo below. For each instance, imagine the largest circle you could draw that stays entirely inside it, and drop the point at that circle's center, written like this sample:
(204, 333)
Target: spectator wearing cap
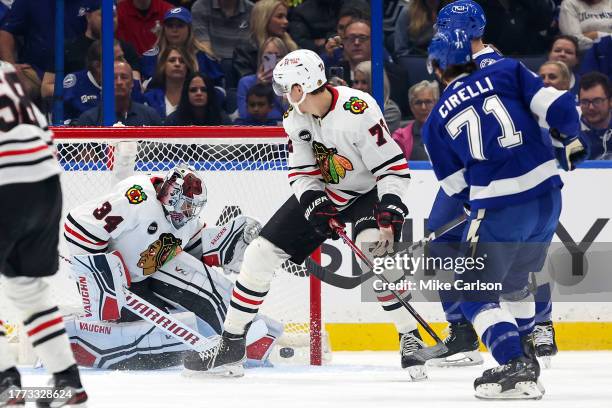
(77, 49)
(34, 23)
(177, 31)
(587, 20)
(139, 21)
(128, 112)
(222, 24)
(596, 104)
(268, 18)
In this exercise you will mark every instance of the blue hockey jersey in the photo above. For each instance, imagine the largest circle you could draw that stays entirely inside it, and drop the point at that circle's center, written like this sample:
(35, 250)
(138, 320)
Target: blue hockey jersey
(484, 139)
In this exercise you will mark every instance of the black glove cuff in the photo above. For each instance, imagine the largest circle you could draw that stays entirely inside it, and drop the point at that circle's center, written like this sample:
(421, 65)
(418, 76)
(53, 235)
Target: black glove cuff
(393, 204)
(312, 199)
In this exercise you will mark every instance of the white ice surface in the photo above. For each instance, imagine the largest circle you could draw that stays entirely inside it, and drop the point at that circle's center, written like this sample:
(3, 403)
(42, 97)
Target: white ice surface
(353, 379)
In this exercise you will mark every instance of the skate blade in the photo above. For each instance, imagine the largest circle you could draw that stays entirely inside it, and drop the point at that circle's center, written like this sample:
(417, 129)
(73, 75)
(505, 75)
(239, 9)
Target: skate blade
(229, 371)
(463, 359)
(417, 373)
(522, 390)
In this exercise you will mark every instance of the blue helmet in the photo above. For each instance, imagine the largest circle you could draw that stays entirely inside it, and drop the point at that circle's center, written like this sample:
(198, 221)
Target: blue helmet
(449, 48)
(465, 15)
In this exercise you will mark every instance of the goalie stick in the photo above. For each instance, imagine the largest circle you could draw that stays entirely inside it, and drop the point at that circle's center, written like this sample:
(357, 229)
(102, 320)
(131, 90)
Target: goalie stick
(351, 282)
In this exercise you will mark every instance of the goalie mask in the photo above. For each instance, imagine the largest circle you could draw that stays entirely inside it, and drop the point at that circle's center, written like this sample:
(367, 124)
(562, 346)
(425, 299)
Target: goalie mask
(183, 195)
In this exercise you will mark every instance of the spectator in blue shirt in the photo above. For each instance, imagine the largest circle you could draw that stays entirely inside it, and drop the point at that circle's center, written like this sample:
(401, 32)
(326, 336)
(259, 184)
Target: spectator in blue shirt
(260, 101)
(164, 91)
(273, 50)
(128, 112)
(199, 105)
(596, 105)
(34, 22)
(178, 31)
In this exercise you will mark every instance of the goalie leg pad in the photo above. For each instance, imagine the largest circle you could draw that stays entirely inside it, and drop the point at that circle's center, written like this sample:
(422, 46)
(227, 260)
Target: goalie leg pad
(42, 321)
(261, 259)
(404, 322)
(261, 338)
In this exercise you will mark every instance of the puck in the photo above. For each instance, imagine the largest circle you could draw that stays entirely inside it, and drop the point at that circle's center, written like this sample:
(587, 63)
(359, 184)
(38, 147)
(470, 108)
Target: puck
(286, 352)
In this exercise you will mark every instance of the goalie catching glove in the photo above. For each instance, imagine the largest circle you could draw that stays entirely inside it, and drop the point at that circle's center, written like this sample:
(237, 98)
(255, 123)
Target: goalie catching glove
(319, 211)
(569, 150)
(390, 215)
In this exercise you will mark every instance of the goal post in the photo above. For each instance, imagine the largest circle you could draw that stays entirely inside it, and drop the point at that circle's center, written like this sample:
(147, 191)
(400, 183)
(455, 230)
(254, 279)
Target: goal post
(245, 172)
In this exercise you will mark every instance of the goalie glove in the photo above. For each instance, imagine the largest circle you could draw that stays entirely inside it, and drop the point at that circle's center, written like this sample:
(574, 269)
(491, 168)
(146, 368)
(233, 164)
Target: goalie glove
(390, 215)
(319, 211)
(569, 150)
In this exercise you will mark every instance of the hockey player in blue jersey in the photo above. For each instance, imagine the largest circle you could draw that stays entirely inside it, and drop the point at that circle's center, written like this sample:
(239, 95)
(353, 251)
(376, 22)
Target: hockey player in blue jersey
(462, 340)
(484, 140)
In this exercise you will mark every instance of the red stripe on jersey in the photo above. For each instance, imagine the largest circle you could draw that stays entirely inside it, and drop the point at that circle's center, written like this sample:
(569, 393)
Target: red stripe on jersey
(336, 196)
(211, 260)
(23, 151)
(45, 325)
(305, 173)
(399, 167)
(246, 300)
(82, 238)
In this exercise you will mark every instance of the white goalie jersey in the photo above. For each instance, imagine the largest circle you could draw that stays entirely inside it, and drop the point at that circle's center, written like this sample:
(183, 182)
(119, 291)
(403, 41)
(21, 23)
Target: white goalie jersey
(131, 220)
(347, 152)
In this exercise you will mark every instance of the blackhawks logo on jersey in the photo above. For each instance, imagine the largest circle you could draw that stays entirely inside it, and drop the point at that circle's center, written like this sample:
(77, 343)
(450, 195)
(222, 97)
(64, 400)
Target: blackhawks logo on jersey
(159, 252)
(333, 166)
(355, 105)
(135, 194)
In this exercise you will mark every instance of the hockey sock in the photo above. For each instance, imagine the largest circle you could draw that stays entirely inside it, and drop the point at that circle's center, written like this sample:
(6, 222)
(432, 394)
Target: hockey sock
(543, 304)
(261, 259)
(42, 321)
(452, 311)
(497, 330)
(523, 312)
(7, 359)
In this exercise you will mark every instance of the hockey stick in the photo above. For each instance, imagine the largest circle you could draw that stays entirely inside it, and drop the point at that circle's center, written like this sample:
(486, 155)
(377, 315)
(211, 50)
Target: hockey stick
(351, 282)
(426, 353)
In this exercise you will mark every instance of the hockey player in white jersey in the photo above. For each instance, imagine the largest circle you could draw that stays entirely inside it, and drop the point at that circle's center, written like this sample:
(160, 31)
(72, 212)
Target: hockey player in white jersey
(154, 224)
(343, 167)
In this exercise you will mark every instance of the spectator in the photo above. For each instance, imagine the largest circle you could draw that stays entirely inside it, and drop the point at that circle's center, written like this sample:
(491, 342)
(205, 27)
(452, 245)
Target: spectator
(272, 51)
(357, 49)
(596, 105)
(164, 92)
(77, 48)
(392, 10)
(421, 97)
(587, 20)
(312, 22)
(177, 31)
(260, 102)
(32, 24)
(268, 18)
(565, 49)
(222, 25)
(82, 89)
(414, 27)
(199, 105)
(333, 49)
(363, 82)
(139, 21)
(515, 26)
(555, 74)
(128, 113)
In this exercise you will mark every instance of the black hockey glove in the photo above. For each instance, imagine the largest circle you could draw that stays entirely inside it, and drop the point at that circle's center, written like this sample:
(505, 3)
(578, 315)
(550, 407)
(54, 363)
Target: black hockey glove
(391, 212)
(319, 211)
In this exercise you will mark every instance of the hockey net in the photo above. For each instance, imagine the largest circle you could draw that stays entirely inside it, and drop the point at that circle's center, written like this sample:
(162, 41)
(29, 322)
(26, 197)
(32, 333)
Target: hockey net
(244, 169)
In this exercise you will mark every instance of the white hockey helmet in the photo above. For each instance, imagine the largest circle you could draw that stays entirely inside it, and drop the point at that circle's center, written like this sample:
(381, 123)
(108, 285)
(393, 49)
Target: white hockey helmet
(299, 67)
(183, 195)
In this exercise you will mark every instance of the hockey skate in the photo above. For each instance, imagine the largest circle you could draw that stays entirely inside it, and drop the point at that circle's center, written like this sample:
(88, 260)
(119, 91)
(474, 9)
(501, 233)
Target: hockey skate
(462, 344)
(409, 343)
(67, 391)
(518, 379)
(10, 383)
(224, 359)
(544, 342)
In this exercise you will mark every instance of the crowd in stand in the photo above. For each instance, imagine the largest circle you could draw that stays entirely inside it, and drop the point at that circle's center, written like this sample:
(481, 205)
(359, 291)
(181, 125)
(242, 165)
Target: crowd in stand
(209, 62)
